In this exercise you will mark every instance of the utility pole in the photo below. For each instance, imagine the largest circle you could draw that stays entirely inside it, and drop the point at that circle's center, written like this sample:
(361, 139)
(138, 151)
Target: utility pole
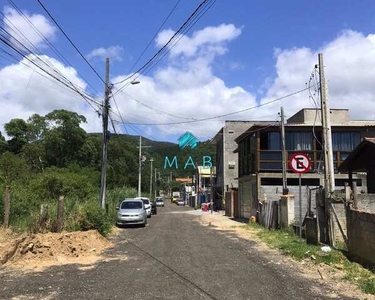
(151, 161)
(140, 166)
(285, 183)
(140, 160)
(329, 175)
(105, 136)
(155, 183)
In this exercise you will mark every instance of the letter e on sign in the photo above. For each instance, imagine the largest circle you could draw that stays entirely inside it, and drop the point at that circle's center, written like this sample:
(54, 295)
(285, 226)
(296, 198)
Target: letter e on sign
(300, 163)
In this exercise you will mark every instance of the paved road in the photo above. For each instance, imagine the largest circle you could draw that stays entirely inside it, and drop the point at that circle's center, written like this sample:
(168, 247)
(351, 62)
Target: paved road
(173, 258)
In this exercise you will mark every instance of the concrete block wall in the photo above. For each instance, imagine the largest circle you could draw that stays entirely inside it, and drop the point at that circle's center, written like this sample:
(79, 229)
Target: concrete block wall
(273, 193)
(341, 215)
(366, 202)
(361, 235)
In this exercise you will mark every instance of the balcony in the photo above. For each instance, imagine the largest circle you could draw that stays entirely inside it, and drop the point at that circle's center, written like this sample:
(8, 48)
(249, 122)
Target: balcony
(271, 160)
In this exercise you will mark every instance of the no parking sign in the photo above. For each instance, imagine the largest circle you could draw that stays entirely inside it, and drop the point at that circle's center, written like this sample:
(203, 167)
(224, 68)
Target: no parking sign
(300, 163)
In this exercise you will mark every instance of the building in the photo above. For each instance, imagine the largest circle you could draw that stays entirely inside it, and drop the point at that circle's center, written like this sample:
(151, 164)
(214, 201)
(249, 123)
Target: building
(260, 156)
(226, 159)
(187, 188)
(362, 159)
(204, 184)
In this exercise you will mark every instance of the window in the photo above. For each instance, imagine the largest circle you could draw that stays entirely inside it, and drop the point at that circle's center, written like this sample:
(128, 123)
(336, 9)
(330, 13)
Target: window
(231, 132)
(274, 142)
(298, 140)
(345, 141)
(131, 205)
(246, 156)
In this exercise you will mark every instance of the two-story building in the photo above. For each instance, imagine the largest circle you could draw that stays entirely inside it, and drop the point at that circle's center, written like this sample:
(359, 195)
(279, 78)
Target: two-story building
(260, 155)
(226, 158)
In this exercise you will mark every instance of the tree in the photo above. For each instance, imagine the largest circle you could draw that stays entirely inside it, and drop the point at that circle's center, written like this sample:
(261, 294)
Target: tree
(37, 126)
(64, 137)
(12, 167)
(17, 129)
(3, 144)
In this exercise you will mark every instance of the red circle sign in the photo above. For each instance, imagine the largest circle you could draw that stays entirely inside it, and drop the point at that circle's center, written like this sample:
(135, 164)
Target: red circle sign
(300, 163)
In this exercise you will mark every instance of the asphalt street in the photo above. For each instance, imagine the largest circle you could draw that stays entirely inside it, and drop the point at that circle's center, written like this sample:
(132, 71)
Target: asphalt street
(174, 257)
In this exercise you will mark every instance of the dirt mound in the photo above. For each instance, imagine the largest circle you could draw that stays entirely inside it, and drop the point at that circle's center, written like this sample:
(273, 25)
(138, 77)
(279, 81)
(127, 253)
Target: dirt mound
(39, 251)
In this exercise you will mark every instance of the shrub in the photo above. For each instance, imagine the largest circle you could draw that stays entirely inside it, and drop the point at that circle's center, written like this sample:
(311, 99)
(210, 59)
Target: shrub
(89, 216)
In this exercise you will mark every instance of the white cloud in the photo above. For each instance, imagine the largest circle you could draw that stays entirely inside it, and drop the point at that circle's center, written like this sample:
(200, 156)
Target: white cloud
(21, 27)
(209, 38)
(24, 92)
(349, 62)
(112, 52)
(187, 87)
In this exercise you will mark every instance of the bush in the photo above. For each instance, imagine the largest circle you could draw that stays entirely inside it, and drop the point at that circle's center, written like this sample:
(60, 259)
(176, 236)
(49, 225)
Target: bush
(89, 216)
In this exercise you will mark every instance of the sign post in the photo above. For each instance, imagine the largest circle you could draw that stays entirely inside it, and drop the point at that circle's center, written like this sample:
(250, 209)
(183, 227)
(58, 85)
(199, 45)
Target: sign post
(300, 163)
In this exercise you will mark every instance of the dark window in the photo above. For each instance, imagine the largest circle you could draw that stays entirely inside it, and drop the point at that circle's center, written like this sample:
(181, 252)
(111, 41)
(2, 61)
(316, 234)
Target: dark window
(298, 140)
(345, 141)
(131, 205)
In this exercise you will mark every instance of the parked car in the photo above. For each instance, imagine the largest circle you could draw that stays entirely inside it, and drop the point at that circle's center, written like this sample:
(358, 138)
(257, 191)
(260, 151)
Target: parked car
(180, 202)
(154, 207)
(132, 211)
(147, 204)
(159, 202)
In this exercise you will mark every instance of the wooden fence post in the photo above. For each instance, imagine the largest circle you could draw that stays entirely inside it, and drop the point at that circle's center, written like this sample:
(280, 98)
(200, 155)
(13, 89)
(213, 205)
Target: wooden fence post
(60, 214)
(6, 200)
(43, 216)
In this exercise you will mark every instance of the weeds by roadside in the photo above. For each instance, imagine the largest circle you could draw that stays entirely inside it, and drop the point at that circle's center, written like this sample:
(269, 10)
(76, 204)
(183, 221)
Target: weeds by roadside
(290, 244)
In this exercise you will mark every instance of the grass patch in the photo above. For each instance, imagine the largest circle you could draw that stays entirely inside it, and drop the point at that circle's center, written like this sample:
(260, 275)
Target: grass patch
(290, 244)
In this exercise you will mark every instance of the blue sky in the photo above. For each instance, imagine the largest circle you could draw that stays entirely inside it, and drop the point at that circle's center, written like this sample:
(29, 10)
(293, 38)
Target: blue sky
(238, 55)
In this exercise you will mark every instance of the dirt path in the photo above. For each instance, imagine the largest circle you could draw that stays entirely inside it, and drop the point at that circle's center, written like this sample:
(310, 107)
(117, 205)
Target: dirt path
(333, 276)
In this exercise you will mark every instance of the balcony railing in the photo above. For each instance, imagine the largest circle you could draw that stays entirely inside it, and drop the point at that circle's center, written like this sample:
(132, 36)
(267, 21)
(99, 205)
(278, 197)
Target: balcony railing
(271, 160)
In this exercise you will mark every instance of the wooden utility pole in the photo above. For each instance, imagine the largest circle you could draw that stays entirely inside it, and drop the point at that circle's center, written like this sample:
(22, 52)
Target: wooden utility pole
(105, 136)
(6, 200)
(284, 158)
(329, 174)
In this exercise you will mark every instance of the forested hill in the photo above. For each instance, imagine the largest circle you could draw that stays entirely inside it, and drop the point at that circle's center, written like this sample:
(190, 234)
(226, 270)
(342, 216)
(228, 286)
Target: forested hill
(57, 142)
(159, 150)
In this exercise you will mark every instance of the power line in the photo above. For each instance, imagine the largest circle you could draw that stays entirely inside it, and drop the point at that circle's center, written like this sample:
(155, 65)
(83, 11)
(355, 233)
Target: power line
(14, 48)
(45, 39)
(183, 33)
(152, 39)
(182, 27)
(70, 41)
(227, 114)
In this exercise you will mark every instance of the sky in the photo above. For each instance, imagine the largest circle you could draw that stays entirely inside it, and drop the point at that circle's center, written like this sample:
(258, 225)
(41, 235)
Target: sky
(239, 55)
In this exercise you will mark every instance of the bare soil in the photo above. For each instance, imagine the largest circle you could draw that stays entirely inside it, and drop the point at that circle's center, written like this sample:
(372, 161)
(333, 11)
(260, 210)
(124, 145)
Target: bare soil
(42, 250)
(328, 274)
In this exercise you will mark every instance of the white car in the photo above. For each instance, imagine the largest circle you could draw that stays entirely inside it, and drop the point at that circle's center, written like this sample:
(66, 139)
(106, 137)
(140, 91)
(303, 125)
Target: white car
(180, 202)
(131, 212)
(147, 205)
(159, 202)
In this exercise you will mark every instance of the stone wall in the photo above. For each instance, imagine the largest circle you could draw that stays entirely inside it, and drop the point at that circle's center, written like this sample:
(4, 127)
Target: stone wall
(361, 235)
